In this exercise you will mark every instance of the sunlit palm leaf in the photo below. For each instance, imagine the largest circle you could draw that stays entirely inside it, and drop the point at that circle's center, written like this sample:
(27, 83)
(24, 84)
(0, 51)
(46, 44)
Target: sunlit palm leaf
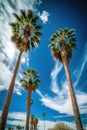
(26, 24)
(65, 35)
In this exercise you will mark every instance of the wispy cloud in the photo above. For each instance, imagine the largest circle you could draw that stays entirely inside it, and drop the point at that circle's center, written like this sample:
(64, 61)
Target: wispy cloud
(82, 61)
(54, 74)
(61, 102)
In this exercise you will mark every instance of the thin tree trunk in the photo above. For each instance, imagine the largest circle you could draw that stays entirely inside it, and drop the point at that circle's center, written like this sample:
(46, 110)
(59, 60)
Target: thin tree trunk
(28, 110)
(71, 90)
(9, 95)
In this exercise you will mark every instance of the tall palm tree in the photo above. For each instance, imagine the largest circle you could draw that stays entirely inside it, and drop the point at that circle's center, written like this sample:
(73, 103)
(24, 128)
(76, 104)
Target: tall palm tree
(35, 123)
(43, 115)
(63, 42)
(30, 83)
(32, 122)
(26, 34)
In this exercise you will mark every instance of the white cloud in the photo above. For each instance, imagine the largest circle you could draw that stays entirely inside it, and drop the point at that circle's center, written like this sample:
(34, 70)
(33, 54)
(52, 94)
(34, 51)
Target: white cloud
(5, 76)
(44, 16)
(19, 93)
(64, 105)
(54, 74)
(61, 102)
(25, 59)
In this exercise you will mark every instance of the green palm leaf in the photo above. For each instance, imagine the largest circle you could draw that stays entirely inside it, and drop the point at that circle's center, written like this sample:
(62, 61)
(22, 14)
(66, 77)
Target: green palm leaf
(38, 33)
(30, 14)
(23, 14)
(17, 17)
(37, 28)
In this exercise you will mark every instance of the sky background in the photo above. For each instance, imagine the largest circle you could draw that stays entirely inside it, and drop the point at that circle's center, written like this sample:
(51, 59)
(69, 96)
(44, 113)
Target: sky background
(52, 96)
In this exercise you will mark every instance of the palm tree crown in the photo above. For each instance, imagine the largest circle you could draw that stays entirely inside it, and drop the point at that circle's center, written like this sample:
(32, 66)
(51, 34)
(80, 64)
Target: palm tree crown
(43, 114)
(25, 30)
(65, 36)
(30, 77)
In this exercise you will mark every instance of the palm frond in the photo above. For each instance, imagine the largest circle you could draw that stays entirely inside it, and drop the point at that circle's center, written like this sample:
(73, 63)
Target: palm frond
(32, 44)
(53, 37)
(35, 39)
(73, 45)
(12, 25)
(37, 33)
(23, 13)
(36, 17)
(38, 27)
(17, 17)
(30, 14)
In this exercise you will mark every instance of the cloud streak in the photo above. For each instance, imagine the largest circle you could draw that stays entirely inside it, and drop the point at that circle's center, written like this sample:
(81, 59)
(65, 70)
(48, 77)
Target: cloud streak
(54, 74)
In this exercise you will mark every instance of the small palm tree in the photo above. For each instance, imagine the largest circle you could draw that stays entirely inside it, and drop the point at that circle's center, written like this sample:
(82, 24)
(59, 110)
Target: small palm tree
(30, 83)
(26, 34)
(43, 115)
(63, 42)
(35, 123)
(19, 127)
(32, 122)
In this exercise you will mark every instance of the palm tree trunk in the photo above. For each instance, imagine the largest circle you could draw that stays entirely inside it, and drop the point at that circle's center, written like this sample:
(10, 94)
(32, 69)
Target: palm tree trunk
(71, 90)
(28, 110)
(9, 95)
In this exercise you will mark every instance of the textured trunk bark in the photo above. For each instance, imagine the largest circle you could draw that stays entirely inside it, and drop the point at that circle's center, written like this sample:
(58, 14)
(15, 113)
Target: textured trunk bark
(28, 110)
(71, 90)
(9, 95)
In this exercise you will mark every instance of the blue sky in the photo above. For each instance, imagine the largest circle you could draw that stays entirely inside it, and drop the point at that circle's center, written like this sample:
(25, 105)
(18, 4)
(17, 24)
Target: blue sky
(52, 96)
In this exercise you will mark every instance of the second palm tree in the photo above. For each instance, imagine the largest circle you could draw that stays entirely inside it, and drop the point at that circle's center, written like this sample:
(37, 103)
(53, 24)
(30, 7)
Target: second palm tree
(30, 83)
(63, 42)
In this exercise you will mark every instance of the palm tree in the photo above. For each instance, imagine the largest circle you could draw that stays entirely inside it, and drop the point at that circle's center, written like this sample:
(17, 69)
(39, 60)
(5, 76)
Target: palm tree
(63, 42)
(32, 122)
(30, 83)
(19, 127)
(43, 115)
(35, 123)
(26, 34)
